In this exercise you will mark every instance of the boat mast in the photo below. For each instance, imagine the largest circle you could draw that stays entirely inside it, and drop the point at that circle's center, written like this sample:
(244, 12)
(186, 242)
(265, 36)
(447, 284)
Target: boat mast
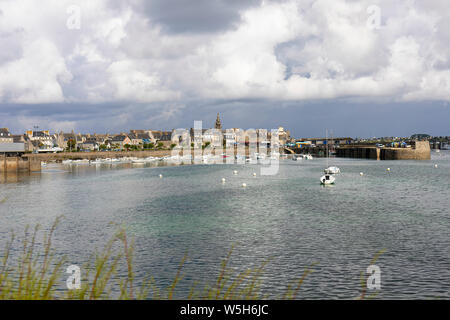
(326, 134)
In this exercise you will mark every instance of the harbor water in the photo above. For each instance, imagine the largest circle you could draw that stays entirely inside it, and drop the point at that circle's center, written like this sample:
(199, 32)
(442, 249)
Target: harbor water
(287, 219)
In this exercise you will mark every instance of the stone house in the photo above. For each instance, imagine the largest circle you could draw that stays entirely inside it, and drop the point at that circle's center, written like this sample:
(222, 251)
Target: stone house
(119, 141)
(5, 136)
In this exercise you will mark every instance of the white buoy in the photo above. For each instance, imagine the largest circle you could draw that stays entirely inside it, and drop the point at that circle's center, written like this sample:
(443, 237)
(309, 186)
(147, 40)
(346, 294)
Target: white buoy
(388, 169)
(235, 172)
(223, 180)
(244, 185)
(160, 176)
(254, 174)
(435, 165)
(361, 173)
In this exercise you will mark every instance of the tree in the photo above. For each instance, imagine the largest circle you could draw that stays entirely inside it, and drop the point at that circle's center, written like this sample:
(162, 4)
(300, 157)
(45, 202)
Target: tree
(160, 145)
(207, 143)
(173, 145)
(71, 144)
(127, 146)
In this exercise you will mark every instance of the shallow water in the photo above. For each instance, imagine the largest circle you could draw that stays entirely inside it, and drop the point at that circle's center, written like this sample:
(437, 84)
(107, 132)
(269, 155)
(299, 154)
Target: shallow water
(287, 217)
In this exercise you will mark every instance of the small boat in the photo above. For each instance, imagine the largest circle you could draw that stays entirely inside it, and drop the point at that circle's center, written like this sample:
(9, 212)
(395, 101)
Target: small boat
(327, 179)
(67, 161)
(138, 161)
(307, 157)
(96, 161)
(332, 170)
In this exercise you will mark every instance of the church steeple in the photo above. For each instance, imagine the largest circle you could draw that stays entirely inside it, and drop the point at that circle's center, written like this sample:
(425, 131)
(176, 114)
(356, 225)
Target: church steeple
(218, 124)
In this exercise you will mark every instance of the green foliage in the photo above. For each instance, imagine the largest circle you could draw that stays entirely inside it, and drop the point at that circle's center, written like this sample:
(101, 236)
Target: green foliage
(30, 278)
(71, 144)
(149, 145)
(207, 143)
(34, 274)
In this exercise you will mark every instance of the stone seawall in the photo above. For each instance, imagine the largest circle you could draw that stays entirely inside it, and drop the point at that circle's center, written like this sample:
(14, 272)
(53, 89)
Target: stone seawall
(421, 151)
(97, 154)
(19, 164)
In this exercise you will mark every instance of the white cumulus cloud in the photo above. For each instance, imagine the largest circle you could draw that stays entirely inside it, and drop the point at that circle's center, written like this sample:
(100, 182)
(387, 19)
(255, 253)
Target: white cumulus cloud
(281, 50)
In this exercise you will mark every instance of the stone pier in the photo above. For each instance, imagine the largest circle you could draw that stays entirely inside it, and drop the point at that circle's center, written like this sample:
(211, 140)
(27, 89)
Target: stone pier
(420, 151)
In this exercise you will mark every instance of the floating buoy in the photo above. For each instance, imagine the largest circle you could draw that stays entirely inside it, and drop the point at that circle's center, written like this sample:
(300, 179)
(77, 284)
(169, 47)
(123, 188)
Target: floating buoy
(160, 176)
(388, 169)
(223, 180)
(235, 172)
(244, 185)
(254, 174)
(361, 173)
(435, 165)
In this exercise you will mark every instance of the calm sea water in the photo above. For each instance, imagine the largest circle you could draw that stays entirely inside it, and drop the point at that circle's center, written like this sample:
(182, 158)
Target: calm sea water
(288, 218)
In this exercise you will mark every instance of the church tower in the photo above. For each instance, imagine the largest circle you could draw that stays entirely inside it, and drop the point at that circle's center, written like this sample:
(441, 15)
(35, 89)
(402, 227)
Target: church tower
(218, 124)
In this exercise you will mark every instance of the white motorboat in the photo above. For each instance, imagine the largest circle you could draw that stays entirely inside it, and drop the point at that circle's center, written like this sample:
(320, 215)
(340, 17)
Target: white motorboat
(138, 161)
(327, 179)
(67, 161)
(307, 157)
(332, 170)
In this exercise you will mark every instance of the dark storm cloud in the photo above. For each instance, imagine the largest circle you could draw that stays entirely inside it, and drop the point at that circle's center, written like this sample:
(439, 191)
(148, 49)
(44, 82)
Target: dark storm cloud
(196, 16)
(303, 119)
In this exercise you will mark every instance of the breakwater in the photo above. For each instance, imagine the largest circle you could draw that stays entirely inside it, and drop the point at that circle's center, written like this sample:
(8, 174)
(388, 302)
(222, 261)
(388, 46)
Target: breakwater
(19, 164)
(419, 151)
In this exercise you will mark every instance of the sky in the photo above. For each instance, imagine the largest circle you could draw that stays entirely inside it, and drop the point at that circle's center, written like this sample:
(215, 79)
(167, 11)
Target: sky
(357, 68)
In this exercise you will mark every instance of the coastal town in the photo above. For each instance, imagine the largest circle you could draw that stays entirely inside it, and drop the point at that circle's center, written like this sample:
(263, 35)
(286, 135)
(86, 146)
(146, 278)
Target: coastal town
(44, 141)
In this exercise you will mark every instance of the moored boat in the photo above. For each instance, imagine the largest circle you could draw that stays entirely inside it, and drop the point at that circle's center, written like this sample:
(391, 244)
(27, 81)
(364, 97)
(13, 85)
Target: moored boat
(332, 170)
(327, 179)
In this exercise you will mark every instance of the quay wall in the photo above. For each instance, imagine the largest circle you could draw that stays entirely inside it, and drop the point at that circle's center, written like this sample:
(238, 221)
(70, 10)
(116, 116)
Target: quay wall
(19, 164)
(421, 151)
(97, 154)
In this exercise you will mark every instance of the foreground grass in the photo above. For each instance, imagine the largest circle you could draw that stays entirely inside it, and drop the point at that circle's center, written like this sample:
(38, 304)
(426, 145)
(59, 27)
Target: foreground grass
(36, 274)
